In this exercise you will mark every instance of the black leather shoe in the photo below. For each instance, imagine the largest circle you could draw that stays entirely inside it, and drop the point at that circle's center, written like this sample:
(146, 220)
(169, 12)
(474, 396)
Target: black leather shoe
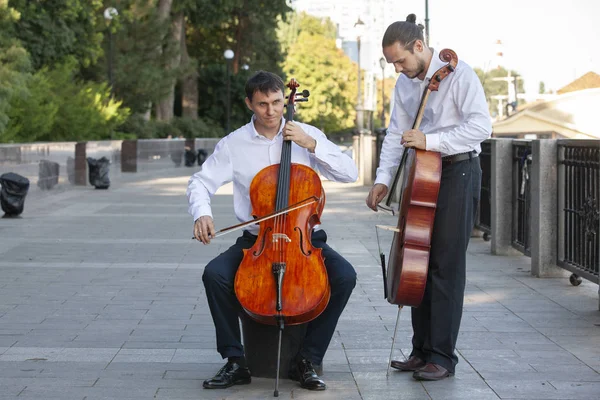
(231, 374)
(304, 372)
(412, 364)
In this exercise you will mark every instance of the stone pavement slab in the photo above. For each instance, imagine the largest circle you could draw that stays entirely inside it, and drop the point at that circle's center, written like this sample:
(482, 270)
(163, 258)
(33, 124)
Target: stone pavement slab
(101, 298)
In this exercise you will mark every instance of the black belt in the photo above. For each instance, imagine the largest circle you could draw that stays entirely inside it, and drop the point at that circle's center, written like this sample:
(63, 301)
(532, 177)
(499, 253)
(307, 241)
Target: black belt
(447, 160)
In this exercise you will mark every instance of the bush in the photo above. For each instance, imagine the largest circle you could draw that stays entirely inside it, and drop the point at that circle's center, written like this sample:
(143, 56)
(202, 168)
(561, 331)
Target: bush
(137, 127)
(59, 108)
(163, 129)
(192, 128)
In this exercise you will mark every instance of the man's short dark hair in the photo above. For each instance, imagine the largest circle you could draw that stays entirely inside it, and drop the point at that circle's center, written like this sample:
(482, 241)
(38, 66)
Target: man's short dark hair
(265, 82)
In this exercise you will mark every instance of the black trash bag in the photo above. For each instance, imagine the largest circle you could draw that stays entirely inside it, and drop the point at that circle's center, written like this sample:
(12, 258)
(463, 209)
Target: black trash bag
(13, 192)
(98, 172)
(202, 155)
(48, 174)
(190, 158)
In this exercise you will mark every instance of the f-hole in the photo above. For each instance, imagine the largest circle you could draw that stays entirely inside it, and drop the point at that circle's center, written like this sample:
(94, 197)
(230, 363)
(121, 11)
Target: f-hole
(306, 253)
(259, 252)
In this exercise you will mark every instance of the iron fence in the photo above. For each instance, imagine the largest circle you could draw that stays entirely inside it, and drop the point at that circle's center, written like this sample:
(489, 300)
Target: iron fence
(484, 213)
(579, 208)
(521, 193)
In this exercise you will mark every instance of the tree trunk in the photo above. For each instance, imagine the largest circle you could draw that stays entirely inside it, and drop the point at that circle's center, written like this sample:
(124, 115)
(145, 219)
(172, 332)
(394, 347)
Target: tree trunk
(189, 83)
(164, 13)
(240, 32)
(164, 109)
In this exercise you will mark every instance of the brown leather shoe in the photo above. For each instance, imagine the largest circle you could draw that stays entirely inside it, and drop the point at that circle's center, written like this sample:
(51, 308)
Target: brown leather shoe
(432, 372)
(412, 364)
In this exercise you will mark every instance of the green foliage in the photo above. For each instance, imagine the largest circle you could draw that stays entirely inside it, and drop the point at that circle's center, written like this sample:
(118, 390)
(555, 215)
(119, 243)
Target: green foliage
(58, 107)
(137, 127)
(34, 113)
(141, 76)
(319, 66)
(542, 88)
(191, 128)
(248, 27)
(289, 28)
(213, 99)
(15, 64)
(141, 50)
(52, 30)
(493, 87)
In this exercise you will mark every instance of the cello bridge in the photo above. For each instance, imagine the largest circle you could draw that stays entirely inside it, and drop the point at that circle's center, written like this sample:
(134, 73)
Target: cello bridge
(277, 236)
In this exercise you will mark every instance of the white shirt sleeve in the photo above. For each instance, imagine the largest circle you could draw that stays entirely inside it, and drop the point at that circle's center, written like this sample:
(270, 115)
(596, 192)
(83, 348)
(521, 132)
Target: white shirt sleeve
(329, 159)
(476, 126)
(216, 171)
(392, 149)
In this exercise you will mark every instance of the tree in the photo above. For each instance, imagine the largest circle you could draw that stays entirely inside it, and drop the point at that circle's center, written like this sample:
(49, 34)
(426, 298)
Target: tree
(542, 88)
(494, 87)
(248, 27)
(326, 72)
(388, 87)
(144, 73)
(15, 65)
(52, 30)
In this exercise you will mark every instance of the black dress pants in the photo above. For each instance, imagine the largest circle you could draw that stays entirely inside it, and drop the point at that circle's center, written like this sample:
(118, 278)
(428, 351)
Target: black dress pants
(219, 276)
(437, 320)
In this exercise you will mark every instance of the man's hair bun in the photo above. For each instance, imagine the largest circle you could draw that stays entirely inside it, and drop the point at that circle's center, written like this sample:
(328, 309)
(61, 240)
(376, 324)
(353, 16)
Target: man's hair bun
(412, 18)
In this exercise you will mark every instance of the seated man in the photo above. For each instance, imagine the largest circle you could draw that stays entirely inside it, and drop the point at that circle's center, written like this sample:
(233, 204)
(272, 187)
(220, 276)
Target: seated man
(238, 157)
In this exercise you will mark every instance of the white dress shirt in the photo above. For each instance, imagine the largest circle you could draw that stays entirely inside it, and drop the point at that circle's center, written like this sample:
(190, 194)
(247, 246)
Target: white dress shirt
(456, 118)
(239, 156)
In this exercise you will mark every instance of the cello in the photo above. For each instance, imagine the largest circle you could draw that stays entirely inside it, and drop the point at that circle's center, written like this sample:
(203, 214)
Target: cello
(419, 173)
(282, 278)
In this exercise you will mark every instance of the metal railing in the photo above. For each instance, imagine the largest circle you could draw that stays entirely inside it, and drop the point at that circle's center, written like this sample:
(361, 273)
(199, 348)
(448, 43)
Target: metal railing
(579, 208)
(521, 193)
(484, 213)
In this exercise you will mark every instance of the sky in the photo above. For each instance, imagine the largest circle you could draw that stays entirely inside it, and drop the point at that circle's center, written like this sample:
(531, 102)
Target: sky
(543, 40)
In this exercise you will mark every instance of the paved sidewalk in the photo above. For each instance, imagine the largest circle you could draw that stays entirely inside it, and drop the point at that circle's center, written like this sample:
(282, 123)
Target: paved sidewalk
(101, 298)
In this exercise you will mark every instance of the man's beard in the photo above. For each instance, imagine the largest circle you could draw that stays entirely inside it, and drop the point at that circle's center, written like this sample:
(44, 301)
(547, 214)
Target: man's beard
(421, 69)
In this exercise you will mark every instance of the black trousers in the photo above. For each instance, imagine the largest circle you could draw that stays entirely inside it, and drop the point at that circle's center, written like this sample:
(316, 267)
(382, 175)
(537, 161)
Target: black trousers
(219, 276)
(437, 320)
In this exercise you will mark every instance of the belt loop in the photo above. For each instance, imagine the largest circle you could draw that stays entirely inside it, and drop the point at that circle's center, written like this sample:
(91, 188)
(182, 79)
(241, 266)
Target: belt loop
(471, 156)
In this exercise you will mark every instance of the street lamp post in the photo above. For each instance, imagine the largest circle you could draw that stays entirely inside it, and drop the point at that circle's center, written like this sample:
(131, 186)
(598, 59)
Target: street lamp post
(359, 25)
(228, 54)
(382, 63)
(427, 22)
(109, 14)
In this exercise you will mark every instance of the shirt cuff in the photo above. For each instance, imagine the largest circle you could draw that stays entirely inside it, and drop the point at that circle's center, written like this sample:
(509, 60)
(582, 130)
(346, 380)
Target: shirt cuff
(432, 142)
(321, 151)
(201, 212)
(384, 178)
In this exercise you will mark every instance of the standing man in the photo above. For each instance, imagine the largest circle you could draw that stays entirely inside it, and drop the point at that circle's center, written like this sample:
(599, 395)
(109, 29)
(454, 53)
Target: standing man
(237, 158)
(455, 122)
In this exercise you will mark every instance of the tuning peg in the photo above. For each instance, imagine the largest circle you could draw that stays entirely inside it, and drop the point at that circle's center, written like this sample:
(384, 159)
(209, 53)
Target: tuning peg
(304, 93)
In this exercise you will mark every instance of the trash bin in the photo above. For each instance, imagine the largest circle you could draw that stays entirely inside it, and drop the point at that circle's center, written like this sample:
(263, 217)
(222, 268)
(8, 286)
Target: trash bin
(13, 192)
(48, 174)
(202, 154)
(190, 158)
(98, 172)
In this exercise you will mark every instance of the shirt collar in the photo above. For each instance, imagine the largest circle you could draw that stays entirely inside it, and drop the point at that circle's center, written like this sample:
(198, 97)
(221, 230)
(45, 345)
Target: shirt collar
(434, 65)
(255, 133)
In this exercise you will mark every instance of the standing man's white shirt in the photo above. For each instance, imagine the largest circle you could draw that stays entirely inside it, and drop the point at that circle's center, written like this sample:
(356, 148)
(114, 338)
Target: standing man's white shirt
(239, 156)
(456, 117)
